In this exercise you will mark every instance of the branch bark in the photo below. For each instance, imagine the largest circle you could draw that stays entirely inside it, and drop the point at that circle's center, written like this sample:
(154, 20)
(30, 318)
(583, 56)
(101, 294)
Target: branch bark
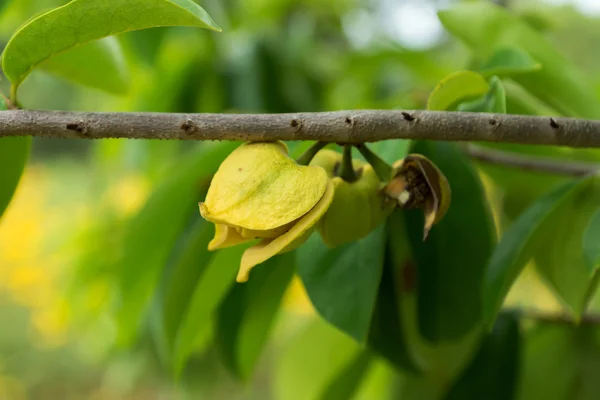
(531, 163)
(353, 126)
(557, 318)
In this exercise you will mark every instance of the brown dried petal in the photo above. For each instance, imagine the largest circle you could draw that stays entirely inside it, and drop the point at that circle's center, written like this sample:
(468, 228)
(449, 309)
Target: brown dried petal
(419, 183)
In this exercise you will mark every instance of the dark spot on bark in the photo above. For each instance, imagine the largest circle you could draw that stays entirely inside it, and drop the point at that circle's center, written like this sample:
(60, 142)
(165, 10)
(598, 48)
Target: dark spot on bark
(492, 122)
(407, 116)
(553, 123)
(80, 127)
(349, 120)
(296, 124)
(188, 126)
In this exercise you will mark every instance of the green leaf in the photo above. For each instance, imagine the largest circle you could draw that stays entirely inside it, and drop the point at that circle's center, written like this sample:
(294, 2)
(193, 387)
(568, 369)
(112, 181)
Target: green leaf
(215, 279)
(452, 261)
(561, 260)
(14, 152)
(523, 239)
(591, 242)
(190, 264)
(460, 86)
(568, 371)
(247, 314)
(388, 334)
(82, 21)
(99, 64)
(342, 283)
(494, 371)
(391, 151)
(345, 385)
(314, 361)
(509, 61)
(152, 233)
(485, 27)
(494, 101)
(520, 101)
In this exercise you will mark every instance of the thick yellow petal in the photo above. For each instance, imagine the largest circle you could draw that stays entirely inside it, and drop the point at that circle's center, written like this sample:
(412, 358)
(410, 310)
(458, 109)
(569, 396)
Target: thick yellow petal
(268, 234)
(259, 187)
(289, 240)
(225, 236)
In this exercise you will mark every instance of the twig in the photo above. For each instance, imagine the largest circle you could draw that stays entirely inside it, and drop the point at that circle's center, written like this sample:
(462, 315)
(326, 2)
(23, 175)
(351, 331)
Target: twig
(531, 163)
(557, 318)
(333, 127)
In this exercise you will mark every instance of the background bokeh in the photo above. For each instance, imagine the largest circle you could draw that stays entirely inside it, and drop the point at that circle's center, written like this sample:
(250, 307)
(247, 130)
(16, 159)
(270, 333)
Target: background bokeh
(58, 337)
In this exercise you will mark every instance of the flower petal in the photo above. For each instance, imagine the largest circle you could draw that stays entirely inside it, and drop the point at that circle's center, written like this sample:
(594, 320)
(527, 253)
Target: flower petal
(259, 187)
(419, 183)
(289, 240)
(225, 236)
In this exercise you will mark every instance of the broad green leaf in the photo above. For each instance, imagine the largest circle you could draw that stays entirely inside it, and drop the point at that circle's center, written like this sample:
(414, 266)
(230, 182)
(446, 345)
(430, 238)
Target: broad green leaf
(568, 371)
(561, 260)
(591, 242)
(342, 283)
(391, 151)
(388, 334)
(508, 61)
(313, 361)
(152, 233)
(247, 313)
(460, 86)
(522, 240)
(484, 27)
(399, 340)
(452, 261)
(494, 371)
(344, 386)
(208, 290)
(82, 21)
(189, 267)
(520, 101)
(494, 101)
(99, 64)
(14, 152)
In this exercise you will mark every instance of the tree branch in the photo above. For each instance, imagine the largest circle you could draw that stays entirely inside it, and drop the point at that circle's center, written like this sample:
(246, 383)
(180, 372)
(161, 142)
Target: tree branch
(557, 318)
(354, 126)
(531, 163)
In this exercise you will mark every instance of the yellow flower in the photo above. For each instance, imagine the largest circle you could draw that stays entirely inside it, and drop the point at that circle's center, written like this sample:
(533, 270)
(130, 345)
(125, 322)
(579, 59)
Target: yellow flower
(259, 192)
(418, 183)
(358, 207)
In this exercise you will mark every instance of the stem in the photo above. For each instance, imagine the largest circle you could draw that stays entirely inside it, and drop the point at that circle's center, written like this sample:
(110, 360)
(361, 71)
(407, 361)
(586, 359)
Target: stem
(381, 168)
(351, 126)
(13, 95)
(556, 318)
(312, 151)
(347, 172)
(531, 163)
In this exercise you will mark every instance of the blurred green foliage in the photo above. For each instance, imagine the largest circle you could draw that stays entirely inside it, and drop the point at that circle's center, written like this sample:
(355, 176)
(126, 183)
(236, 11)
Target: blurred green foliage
(107, 290)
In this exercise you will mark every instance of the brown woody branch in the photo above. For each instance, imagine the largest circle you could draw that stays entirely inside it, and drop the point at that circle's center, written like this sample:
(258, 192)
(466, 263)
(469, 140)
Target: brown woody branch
(557, 318)
(353, 126)
(531, 163)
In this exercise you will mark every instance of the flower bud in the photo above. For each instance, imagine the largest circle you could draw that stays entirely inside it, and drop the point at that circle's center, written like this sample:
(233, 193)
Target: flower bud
(357, 207)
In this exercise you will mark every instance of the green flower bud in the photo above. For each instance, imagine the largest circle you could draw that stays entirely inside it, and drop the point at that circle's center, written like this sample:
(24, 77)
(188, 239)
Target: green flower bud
(357, 208)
